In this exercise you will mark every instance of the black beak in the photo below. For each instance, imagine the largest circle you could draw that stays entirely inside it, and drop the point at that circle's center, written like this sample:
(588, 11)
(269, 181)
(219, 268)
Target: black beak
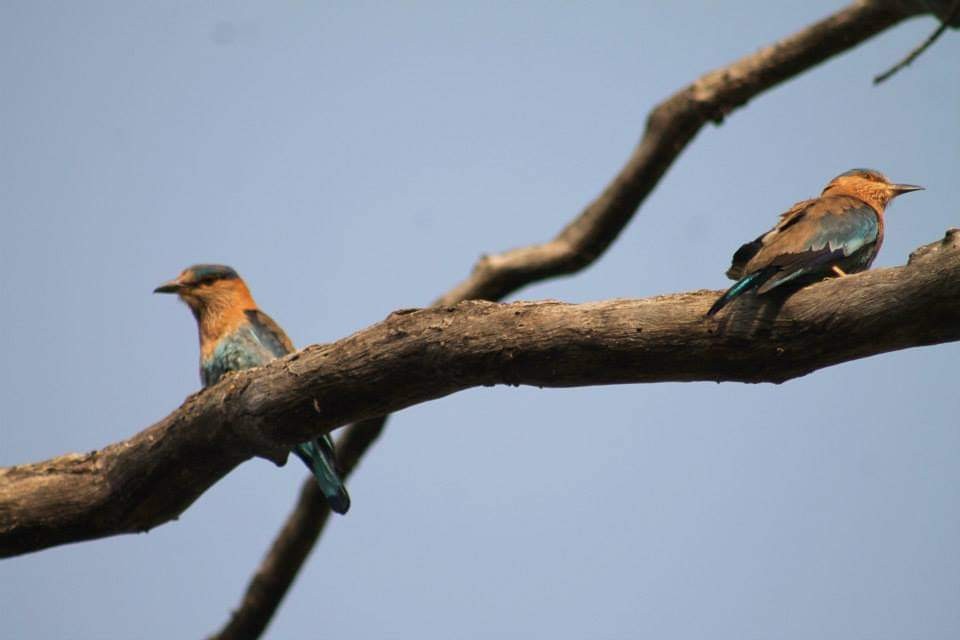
(169, 287)
(900, 189)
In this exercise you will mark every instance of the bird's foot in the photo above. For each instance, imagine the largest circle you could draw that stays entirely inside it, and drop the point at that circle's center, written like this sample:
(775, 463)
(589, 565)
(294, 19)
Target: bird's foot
(837, 270)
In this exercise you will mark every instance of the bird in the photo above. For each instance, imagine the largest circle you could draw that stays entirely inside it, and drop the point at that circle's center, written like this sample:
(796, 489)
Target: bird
(235, 334)
(834, 235)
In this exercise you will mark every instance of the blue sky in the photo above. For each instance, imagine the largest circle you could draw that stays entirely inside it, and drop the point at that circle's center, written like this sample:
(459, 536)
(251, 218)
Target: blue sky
(349, 159)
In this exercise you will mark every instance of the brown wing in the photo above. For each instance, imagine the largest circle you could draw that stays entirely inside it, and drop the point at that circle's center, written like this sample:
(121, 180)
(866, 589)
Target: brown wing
(747, 251)
(833, 230)
(824, 225)
(793, 214)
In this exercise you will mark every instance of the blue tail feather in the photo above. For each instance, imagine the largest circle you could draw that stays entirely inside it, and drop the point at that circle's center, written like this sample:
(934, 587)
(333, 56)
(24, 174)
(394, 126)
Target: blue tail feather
(318, 456)
(741, 286)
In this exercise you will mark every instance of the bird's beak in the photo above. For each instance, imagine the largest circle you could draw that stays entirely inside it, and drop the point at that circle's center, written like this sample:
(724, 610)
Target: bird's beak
(172, 286)
(900, 189)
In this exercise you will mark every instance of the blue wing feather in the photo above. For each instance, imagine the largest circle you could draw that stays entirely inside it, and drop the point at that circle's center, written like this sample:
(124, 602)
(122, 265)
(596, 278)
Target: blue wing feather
(810, 239)
(841, 232)
(268, 333)
(254, 344)
(848, 231)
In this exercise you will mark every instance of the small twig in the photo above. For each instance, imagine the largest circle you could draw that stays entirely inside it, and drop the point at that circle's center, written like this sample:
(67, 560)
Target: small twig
(913, 55)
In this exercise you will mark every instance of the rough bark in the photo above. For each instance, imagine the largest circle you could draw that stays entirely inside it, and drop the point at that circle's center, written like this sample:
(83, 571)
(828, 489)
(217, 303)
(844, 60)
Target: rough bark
(671, 126)
(418, 355)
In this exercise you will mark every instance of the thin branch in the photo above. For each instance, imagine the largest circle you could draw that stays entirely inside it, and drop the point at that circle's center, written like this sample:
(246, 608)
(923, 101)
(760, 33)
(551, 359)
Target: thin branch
(670, 127)
(913, 55)
(419, 355)
(296, 539)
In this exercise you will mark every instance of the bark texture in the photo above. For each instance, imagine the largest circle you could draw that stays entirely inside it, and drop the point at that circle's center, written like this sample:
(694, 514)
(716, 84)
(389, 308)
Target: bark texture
(671, 126)
(117, 490)
(417, 355)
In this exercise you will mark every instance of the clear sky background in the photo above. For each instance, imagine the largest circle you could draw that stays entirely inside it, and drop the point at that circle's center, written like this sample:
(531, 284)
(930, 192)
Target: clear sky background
(353, 158)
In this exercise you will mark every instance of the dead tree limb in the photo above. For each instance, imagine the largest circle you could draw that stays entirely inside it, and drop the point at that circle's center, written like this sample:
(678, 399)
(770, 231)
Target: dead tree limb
(418, 355)
(671, 126)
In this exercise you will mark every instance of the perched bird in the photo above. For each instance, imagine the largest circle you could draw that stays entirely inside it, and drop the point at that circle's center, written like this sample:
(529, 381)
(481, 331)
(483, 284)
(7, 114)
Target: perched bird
(838, 233)
(234, 335)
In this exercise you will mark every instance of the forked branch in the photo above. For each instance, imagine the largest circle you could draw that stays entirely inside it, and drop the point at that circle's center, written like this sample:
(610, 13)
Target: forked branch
(671, 126)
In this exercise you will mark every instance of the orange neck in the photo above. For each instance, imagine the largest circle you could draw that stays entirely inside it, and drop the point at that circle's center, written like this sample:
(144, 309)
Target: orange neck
(219, 309)
(875, 196)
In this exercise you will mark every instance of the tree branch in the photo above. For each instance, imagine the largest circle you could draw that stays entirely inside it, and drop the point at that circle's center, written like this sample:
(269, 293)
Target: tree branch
(670, 127)
(953, 14)
(418, 355)
(295, 541)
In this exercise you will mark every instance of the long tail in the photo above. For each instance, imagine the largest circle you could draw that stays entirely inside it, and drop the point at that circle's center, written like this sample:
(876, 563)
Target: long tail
(319, 458)
(741, 286)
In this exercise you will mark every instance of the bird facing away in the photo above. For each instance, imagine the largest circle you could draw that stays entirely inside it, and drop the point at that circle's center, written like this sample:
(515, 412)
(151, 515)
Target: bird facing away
(838, 233)
(234, 335)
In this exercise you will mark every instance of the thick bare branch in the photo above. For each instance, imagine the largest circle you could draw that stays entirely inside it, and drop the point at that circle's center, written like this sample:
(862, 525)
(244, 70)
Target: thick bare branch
(670, 127)
(418, 355)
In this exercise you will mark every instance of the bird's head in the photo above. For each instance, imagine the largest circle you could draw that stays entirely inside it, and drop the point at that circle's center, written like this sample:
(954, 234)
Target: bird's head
(209, 288)
(868, 185)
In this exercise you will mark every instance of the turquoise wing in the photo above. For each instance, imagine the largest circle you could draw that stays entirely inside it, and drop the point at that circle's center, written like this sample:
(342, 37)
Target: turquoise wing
(841, 232)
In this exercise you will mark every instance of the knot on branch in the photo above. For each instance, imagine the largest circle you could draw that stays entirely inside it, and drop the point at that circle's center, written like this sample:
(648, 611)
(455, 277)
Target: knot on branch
(950, 242)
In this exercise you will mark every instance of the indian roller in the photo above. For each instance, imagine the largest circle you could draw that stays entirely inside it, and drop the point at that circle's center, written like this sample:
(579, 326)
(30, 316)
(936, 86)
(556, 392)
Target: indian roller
(235, 334)
(833, 235)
